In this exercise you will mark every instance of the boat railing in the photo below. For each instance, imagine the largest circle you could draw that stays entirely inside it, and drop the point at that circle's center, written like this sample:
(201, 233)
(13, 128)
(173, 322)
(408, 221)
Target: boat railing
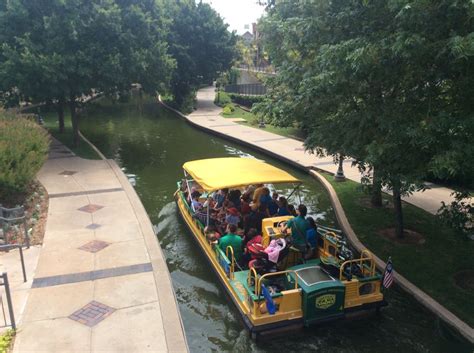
(232, 260)
(365, 256)
(258, 286)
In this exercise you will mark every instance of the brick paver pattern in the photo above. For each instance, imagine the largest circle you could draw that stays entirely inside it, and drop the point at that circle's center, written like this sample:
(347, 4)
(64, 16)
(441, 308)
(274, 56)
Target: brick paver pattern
(91, 314)
(90, 208)
(94, 246)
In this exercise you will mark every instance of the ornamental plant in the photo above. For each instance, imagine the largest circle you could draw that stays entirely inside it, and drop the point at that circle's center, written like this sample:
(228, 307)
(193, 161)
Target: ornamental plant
(23, 150)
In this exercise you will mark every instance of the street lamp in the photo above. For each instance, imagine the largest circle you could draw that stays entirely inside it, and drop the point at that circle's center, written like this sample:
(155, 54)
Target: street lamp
(339, 176)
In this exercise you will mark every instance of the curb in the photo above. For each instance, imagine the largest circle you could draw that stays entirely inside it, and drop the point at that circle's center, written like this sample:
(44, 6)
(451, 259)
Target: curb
(163, 282)
(423, 298)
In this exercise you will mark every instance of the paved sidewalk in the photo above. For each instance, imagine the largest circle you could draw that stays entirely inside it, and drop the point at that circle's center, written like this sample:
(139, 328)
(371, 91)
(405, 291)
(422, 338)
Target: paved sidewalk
(101, 283)
(207, 115)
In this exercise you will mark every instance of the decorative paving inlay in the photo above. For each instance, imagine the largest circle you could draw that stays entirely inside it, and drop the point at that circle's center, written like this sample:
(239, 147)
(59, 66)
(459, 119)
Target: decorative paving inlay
(68, 172)
(87, 192)
(93, 226)
(91, 208)
(91, 314)
(299, 149)
(58, 280)
(94, 246)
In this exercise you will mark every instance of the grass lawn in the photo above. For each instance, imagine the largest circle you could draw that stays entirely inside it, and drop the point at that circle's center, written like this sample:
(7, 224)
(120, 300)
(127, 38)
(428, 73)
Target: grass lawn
(252, 121)
(431, 265)
(51, 123)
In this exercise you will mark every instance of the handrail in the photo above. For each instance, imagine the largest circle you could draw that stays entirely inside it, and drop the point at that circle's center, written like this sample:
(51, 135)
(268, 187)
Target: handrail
(249, 277)
(232, 260)
(360, 261)
(259, 284)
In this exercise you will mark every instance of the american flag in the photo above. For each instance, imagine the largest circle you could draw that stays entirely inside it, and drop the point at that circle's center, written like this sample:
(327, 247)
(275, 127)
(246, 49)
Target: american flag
(387, 280)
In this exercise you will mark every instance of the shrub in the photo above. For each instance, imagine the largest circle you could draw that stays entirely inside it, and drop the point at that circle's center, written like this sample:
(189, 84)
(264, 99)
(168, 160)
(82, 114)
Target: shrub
(23, 150)
(226, 110)
(222, 99)
(247, 101)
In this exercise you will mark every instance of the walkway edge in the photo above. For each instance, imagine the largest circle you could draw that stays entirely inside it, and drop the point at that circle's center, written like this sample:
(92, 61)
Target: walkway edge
(432, 305)
(170, 314)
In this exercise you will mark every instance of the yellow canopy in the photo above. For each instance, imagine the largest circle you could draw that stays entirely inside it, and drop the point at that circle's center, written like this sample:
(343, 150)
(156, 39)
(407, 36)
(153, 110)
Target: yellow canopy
(218, 173)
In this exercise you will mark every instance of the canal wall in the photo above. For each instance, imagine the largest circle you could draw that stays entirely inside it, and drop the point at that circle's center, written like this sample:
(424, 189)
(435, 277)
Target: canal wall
(207, 118)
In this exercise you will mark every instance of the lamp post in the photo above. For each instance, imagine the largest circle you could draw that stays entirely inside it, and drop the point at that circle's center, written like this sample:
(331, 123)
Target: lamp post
(339, 176)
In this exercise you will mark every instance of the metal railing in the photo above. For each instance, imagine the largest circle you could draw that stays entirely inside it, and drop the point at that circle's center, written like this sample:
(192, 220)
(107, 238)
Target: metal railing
(250, 89)
(12, 216)
(5, 283)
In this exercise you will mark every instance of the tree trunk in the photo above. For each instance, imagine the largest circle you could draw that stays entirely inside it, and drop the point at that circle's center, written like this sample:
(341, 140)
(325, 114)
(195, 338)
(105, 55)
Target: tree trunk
(75, 121)
(397, 207)
(61, 115)
(376, 199)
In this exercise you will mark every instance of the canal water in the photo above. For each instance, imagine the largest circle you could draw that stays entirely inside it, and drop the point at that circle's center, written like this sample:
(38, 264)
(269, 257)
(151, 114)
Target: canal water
(153, 143)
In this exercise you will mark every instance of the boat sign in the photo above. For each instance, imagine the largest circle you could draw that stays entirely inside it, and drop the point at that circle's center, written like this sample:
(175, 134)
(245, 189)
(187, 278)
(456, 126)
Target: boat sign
(325, 301)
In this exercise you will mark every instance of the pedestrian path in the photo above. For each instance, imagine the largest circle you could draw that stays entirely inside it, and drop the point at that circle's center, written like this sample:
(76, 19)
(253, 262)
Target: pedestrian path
(208, 116)
(101, 283)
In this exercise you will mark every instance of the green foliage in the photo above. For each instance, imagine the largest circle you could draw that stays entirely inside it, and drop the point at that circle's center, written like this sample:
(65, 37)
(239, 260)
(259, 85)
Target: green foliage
(459, 214)
(200, 43)
(441, 256)
(222, 99)
(226, 110)
(389, 83)
(247, 101)
(63, 50)
(6, 340)
(23, 150)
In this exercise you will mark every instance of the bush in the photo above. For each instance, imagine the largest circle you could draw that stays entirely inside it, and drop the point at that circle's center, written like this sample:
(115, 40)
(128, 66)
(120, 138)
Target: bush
(23, 150)
(247, 101)
(222, 99)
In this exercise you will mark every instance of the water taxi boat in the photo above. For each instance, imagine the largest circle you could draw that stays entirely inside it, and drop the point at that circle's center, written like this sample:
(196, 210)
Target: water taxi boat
(295, 291)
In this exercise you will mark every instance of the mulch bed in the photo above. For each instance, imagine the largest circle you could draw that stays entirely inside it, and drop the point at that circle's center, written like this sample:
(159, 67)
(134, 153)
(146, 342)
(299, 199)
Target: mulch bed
(35, 201)
(410, 236)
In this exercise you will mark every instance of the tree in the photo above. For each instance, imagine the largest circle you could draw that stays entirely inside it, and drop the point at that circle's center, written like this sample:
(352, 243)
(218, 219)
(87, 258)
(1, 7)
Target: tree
(65, 50)
(385, 82)
(201, 44)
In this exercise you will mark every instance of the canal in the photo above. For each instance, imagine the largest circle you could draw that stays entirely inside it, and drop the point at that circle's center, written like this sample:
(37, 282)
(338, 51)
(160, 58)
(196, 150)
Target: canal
(153, 143)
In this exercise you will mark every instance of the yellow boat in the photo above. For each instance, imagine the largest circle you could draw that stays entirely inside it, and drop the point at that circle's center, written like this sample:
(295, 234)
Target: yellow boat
(296, 292)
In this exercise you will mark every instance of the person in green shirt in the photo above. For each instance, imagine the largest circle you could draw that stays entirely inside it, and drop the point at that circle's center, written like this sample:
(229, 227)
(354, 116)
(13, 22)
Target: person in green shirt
(298, 225)
(232, 239)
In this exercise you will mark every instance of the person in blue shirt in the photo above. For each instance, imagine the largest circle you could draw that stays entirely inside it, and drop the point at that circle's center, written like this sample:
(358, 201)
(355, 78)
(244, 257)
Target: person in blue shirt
(312, 235)
(273, 206)
(283, 207)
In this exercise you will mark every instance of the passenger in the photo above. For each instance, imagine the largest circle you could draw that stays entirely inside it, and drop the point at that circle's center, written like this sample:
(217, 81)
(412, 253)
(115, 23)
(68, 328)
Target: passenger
(254, 220)
(283, 207)
(273, 206)
(234, 197)
(212, 234)
(299, 225)
(245, 205)
(312, 235)
(257, 194)
(233, 240)
(266, 199)
(292, 210)
(220, 196)
(196, 205)
(232, 216)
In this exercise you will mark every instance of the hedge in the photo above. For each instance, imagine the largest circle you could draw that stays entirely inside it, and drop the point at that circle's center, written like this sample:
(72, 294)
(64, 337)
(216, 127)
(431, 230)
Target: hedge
(23, 150)
(247, 101)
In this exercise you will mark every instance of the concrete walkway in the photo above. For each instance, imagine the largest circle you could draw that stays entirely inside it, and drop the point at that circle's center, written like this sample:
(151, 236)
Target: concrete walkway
(208, 115)
(101, 283)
